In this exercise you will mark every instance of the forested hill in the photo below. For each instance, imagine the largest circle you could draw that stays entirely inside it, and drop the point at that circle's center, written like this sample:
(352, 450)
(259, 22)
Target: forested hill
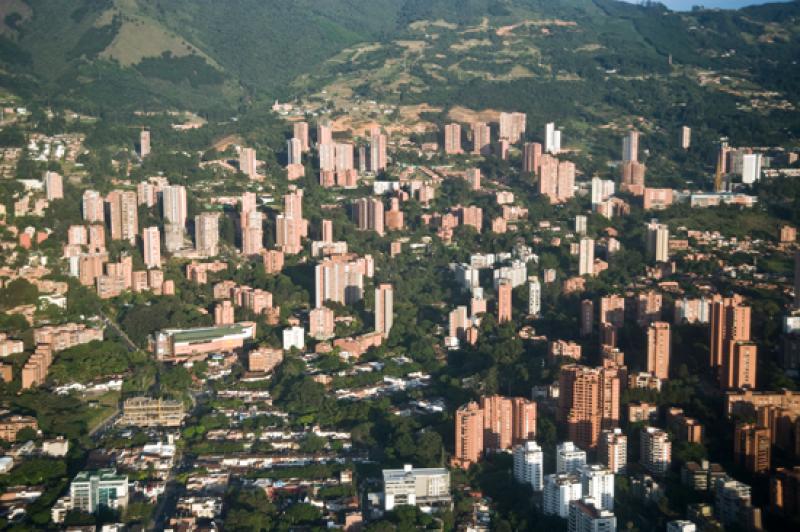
(210, 53)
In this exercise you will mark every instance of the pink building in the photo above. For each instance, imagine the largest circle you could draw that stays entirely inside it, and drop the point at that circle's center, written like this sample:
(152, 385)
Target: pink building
(481, 139)
(452, 139)
(657, 198)
(321, 323)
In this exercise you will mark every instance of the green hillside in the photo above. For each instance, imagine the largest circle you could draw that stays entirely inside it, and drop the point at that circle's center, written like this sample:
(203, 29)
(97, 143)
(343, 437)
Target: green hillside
(95, 54)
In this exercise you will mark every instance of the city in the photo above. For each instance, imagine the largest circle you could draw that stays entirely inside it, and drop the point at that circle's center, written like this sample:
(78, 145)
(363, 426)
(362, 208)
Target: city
(346, 308)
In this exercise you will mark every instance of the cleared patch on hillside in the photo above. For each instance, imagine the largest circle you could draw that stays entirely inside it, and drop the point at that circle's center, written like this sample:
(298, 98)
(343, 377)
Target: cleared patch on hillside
(466, 116)
(140, 37)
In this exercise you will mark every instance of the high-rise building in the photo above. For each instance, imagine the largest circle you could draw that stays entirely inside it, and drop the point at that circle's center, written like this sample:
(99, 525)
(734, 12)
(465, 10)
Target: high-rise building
(559, 491)
(739, 366)
(384, 309)
(327, 231)
(338, 279)
(585, 515)
(581, 224)
(602, 189)
(658, 242)
(751, 168)
(377, 152)
(321, 323)
(452, 139)
(586, 257)
(587, 317)
(686, 137)
(248, 162)
(91, 490)
(752, 446)
(369, 215)
(730, 323)
(206, 231)
(124, 215)
(324, 133)
(300, 131)
(92, 207)
(598, 483)
(294, 150)
(552, 139)
(53, 186)
(151, 242)
(632, 174)
(613, 450)
(534, 296)
(473, 176)
(223, 313)
(659, 349)
(343, 157)
(504, 290)
(655, 450)
(569, 458)
(566, 181)
(505, 422)
(531, 158)
(630, 147)
(174, 204)
(588, 402)
(481, 139)
(458, 322)
(252, 233)
(529, 465)
(288, 234)
(469, 435)
(612, 310)
(144, 143)
(512, 126)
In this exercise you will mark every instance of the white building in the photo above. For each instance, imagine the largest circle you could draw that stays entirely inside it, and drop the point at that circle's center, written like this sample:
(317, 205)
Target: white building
(528, 465)
(581, 223)
(534, 296)
(91, 490)
(658, 241)
(552, 138)
(559, 491)
(751, 168)
(467, 276)
(602, 189)
(586, 257)
(569, 458)
(655, 450)
(584, 516)
(294, 337)
(598, 483)
(516, 272)
(415, 487)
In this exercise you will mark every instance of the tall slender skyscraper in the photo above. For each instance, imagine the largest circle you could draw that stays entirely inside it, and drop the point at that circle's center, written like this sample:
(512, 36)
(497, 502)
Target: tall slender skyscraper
(300, 130)
(124, 214)
(630, 146)
(534, 296)
(174, 204)
(93, 211)
(659, 349)
(151, 242)
(586, 257)
(247, 162)
(144, 143)
(384, 309)
(504, 291)
(481, 139)
(452, 139)
(206, 228)
(294, 150)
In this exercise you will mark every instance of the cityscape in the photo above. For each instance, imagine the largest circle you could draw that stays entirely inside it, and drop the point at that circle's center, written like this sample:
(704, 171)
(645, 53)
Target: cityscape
(490, 268)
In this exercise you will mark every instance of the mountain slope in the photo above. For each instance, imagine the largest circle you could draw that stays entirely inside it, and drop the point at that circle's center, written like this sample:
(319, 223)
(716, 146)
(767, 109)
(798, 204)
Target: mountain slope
(96, 54)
